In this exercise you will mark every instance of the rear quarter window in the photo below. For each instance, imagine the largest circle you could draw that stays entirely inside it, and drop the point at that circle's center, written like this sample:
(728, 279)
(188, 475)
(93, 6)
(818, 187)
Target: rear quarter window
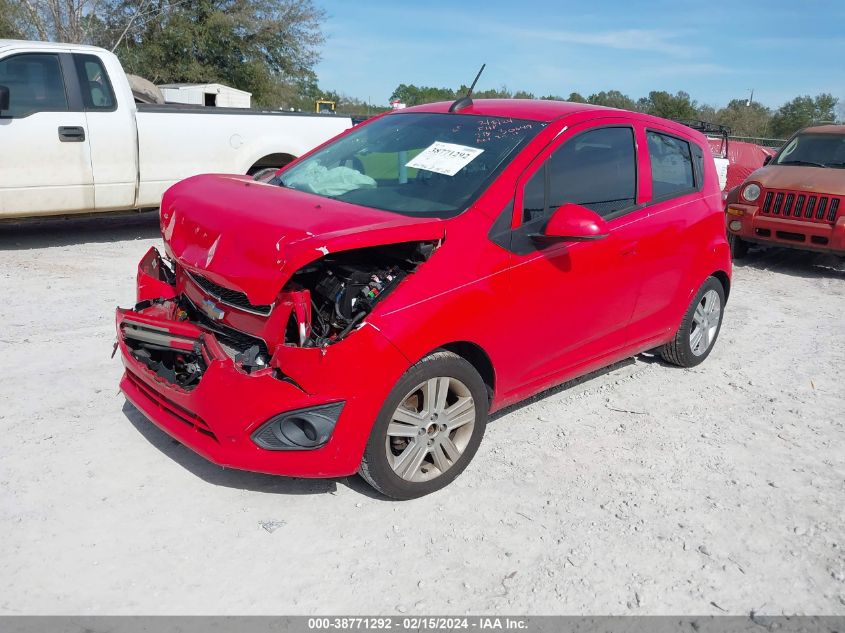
(676, 167)
(97, 93)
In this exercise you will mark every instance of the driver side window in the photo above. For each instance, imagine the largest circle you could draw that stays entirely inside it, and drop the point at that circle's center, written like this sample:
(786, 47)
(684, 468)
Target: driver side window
(35, 84)
(596, 169)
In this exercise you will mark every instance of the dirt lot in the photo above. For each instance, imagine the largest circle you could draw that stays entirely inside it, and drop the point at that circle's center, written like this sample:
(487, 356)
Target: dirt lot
(643, 489)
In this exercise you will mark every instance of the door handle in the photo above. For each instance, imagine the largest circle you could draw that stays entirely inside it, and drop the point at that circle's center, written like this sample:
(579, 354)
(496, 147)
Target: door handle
(71, 134)
(629, 249)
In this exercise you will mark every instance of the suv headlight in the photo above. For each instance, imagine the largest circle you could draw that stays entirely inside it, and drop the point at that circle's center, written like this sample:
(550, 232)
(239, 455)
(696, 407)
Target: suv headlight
(751, 192)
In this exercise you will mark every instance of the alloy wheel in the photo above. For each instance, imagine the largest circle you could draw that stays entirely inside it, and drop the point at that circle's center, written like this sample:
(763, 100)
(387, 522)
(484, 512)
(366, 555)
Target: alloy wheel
(705, 322)
(430, 429)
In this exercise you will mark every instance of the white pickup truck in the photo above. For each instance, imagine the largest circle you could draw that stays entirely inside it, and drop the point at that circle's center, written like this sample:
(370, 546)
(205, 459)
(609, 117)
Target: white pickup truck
(73, 140)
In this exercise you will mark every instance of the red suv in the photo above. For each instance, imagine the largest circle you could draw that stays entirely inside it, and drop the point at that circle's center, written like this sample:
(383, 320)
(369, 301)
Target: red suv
(366, 308)
(795, 200)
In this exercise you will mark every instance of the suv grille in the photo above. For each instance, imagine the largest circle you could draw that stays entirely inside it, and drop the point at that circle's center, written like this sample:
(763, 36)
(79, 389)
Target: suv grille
(801, 205)
(230, 297)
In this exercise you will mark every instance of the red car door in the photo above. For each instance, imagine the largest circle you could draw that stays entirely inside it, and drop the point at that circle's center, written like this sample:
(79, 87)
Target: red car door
(572, 301)
(676, 232)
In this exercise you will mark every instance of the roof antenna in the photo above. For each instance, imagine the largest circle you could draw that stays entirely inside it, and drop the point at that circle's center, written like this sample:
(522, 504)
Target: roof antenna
(466, 101)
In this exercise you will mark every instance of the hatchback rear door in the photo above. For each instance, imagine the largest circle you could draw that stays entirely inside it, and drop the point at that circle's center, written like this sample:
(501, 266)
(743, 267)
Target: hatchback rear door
(676, 232)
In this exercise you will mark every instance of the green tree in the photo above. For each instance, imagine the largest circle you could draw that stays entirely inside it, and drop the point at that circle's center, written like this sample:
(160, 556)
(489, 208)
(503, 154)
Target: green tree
(268, 47)
(9, 20)
(574, 97)
(523, 94)
(412, 95)
(492, 93)
(612, 99)
(49, 20)
(707, 112)
(669, 106)
(803, 111)
(744, 119)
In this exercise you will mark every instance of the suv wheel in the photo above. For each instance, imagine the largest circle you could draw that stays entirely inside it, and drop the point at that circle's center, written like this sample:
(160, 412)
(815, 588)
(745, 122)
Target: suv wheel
(700, 327)
(739, 247)
(428, 429)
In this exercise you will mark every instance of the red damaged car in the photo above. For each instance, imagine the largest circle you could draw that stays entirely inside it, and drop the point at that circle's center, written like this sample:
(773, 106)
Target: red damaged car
(368, 307)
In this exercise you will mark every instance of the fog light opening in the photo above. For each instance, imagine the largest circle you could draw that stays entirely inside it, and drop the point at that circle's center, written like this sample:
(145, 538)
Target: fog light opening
(299, 430)
(736, 225)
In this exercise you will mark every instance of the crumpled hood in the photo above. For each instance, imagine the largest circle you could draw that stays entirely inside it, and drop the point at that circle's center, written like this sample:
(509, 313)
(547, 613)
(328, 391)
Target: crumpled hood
(822, 180)
(252, 237)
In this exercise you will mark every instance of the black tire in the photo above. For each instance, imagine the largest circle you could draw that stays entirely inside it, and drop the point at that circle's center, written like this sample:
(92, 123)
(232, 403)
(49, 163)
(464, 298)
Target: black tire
(739, 247)
(679, 350)
(375, 467)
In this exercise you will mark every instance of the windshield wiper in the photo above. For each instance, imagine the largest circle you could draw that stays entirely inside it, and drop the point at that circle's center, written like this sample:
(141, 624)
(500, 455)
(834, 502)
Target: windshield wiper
(801, 162)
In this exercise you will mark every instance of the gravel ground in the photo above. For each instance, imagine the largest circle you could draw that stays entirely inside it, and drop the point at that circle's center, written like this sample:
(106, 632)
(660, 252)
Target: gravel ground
(642, 489)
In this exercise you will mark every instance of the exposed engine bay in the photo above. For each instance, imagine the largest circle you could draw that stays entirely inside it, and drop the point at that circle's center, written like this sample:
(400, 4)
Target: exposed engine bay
(321, 304)
(333, 295)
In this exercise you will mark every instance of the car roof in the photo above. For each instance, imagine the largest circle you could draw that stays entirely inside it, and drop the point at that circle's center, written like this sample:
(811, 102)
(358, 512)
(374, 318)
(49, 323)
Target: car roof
(35, 46)
(546, 111)
(825, 129)
(528, 109)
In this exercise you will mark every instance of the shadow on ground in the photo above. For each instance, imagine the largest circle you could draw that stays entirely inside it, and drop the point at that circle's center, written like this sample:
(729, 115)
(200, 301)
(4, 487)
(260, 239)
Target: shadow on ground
(66, 231)
(790, 261)
(239, 479)
(272, 484)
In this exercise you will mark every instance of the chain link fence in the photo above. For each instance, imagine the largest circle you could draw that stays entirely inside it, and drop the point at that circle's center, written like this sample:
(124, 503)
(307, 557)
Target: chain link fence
(776, 143)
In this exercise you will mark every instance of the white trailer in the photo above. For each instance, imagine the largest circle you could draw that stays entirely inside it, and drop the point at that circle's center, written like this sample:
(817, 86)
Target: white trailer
(212, 95)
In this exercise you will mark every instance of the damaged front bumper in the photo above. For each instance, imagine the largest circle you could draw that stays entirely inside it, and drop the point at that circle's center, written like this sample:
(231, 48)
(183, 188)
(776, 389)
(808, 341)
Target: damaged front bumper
(180, 377)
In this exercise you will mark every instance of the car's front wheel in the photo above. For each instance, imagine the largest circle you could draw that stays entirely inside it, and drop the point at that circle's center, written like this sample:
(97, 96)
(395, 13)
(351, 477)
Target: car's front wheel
(428, 429)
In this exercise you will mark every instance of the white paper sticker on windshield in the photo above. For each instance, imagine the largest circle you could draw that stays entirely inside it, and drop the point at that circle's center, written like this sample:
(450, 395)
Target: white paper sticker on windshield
(444, 158)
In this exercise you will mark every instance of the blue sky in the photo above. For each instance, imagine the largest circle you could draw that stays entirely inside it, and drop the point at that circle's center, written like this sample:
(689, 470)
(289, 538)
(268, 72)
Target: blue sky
(714, 50)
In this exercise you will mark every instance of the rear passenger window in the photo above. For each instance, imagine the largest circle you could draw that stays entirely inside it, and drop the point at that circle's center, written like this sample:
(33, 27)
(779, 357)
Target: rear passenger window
(671, 165)
(35, 84)
(596, 169)
(97, 93)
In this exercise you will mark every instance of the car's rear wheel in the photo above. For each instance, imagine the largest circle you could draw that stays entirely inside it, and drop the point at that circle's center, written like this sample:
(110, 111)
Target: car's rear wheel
(739, 247)
(428, 429)
(700, 327)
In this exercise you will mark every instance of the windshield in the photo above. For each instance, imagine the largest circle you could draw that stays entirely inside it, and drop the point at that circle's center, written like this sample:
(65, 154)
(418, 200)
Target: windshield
(815, 150)
(413, 164)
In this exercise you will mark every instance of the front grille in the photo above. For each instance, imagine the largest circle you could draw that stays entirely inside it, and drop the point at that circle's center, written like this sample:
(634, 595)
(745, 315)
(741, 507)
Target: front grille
(230, 297)
(801, 205)
(229, 337)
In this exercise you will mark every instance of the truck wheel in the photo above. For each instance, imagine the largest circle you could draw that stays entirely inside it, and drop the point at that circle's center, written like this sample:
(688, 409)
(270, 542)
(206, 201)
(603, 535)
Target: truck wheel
(739, 247)
(428, 429)
(699, 328)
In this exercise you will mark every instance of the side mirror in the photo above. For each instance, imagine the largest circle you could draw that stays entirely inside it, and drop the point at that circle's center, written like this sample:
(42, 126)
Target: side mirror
(574, 223)
(767, 160)
(4, 98)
